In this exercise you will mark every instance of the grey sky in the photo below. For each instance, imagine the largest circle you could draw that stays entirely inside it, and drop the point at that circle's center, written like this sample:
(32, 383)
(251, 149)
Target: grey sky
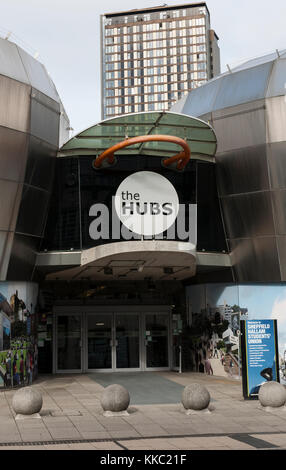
(66, 35)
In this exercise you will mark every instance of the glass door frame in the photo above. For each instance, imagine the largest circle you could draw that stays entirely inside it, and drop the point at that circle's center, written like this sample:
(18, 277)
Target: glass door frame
(63, 313)
(83, 311)
(85, 352)
(113, 315)
(129, 313)
(169, 338)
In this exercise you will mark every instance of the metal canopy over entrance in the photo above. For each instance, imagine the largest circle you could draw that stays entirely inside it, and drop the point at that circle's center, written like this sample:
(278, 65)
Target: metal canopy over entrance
(93, 141)
(132, 261)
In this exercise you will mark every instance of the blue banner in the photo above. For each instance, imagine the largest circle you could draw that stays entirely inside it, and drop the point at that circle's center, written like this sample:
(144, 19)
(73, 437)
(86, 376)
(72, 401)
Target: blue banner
(261, 354)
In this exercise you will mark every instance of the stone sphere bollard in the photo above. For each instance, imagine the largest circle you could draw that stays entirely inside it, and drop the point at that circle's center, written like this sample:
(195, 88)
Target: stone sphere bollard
(27, 401)
(272, 394)
(195, 397)
(115, 398)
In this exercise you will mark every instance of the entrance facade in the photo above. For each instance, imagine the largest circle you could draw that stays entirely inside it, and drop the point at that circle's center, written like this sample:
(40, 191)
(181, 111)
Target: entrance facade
(110, 339)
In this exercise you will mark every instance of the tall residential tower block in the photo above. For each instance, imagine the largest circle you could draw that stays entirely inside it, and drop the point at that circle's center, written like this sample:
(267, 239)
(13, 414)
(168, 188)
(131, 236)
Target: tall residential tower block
(152, 57)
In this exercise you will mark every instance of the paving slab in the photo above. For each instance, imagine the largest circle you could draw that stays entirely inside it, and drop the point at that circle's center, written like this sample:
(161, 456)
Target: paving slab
(72, 411)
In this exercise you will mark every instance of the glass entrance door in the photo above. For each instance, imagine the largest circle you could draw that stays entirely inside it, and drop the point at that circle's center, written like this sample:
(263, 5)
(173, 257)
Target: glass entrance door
(100, 341)
(157, 340)
(69, 343)
(117, 341)
(127, 341)
(113, 341)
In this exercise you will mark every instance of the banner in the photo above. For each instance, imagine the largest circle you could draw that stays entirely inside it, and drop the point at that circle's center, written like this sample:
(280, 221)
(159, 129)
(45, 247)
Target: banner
(260, 359)
(18, 347)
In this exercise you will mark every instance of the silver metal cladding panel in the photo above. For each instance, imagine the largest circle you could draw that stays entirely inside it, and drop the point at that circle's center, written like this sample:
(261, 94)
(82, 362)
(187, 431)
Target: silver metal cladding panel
(40, 163)
(64, 127)
(5, 252)
(11, 64)
(229, 89)
(259, 60)
(33, 211)
(24, 157)
(276, 154)
(241, 108)
(10, 194)
(240, 130)
(281, 244)
(13, 154)
(279, 208)
(255, 259)
(242, 87)
(179, 105)
(3, 239)
(247, 109)
(277, 81)
(45, 118)
(242, 170)
(276, 119)
(38, 75)
(201, 100)
(15, 104)
(248, 215)
(23, 257)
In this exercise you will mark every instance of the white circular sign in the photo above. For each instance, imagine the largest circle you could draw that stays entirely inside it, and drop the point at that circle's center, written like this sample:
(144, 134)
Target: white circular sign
(146, 203)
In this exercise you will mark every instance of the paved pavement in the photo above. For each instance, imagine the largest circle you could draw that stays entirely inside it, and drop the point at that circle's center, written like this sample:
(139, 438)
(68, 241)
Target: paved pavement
(72, 418)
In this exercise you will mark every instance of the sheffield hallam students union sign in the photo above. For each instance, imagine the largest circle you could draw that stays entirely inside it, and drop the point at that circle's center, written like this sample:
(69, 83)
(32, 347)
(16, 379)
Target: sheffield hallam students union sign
(260, 357)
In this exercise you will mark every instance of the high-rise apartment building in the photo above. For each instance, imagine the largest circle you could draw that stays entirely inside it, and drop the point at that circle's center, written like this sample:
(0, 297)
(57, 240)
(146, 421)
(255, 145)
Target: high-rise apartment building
(152, 57)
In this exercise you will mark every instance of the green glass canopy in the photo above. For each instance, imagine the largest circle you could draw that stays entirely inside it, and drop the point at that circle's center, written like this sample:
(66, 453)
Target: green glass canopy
(93, 141)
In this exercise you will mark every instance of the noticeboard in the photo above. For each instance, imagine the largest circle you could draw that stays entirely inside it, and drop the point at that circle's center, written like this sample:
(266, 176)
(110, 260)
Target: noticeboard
(259, 354)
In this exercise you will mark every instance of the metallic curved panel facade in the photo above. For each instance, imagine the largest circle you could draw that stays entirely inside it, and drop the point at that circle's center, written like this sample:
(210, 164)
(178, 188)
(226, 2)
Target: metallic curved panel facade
(247, 109)
(29, 139)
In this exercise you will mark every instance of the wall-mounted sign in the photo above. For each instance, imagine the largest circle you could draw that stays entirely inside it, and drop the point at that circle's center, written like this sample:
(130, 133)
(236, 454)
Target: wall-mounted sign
(147, 203)
(259, 352)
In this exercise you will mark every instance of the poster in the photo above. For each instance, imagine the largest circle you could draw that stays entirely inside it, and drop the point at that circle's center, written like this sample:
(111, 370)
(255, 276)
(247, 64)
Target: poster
(18, 348)
(259, 348)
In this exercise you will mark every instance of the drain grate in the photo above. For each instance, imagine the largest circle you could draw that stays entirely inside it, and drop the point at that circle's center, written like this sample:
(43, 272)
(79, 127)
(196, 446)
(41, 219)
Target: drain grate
(246, 438)
(57, 442)
(59, 413)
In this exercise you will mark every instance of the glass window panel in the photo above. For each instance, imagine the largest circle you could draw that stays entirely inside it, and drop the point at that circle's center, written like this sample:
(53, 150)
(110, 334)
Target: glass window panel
(157, 340)
(63, 223)
(33, 211)
(127, 338)
(99, 341)
(69, 342)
